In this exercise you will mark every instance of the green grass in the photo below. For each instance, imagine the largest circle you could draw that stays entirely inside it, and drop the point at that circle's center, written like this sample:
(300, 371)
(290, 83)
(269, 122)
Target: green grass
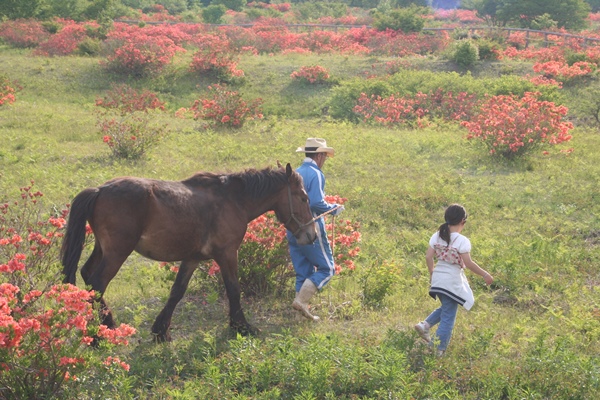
(534, 224)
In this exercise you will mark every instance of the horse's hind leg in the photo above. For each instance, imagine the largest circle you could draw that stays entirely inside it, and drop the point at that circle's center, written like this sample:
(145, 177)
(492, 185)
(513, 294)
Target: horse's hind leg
(160, 328)
(97, 272)
(87, 270)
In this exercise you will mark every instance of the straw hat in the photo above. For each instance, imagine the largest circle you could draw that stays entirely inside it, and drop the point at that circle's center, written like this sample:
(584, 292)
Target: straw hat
(316, 145)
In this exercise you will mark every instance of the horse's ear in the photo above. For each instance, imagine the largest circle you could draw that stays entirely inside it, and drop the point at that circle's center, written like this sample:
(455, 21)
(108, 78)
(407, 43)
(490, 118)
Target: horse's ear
(279, 165)
(288, 170)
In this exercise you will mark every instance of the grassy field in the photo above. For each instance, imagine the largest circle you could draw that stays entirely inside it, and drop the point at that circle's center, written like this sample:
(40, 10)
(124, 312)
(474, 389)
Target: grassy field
(534, 224)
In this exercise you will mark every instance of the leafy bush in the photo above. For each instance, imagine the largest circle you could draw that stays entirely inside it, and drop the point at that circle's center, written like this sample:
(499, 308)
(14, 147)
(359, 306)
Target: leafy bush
(376, 283)
(139, 52)
(226, 108)
(45, 327)
(7, 90)
(311, 74)
(463, 52)
(213, 14)
(23, 33)
(89, 47)
(488, 49)
(406, 20)
(125, 123)
(215, 56)
(512, 126)
(345, 97)
(235, 5)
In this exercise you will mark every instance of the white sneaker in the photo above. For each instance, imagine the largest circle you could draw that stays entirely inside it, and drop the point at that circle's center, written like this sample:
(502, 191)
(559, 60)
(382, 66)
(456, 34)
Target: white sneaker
(422, 329)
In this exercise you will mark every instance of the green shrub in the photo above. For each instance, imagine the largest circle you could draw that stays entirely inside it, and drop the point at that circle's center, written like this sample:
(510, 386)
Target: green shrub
(376, 283)
(516, 85)
(213, 13)
(345, 96)
(89, 47)
(464, 52)
(408, 19)
(235, 5)
(488, 49)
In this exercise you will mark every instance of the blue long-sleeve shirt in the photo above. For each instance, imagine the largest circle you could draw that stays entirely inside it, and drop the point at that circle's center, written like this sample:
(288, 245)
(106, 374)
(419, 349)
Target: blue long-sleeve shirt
(314, 184)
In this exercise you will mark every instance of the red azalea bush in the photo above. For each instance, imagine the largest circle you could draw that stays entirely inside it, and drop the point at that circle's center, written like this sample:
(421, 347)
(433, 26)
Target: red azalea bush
(215, 56)
(414, 110)
(564, 72)
(23, 33)
(46, 328)
(225, 108)
(311, 74)
(125, 121)
(67, 40)
(7, 90)
(510, 126)
(264, 260)
(138, 52)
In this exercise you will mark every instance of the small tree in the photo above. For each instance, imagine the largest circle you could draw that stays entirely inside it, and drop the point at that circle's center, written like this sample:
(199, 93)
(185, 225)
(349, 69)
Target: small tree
(408, 19)
(464, 52)
(213, 13)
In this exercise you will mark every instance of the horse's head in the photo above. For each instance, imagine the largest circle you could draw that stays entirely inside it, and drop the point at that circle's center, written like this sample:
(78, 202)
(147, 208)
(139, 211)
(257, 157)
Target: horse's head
(293, 210)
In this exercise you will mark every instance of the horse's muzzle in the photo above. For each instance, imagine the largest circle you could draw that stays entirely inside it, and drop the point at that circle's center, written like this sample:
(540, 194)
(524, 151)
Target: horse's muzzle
(306, 235)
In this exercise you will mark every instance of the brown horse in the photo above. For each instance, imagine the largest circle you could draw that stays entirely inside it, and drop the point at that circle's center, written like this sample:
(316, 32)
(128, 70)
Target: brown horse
(201, 218)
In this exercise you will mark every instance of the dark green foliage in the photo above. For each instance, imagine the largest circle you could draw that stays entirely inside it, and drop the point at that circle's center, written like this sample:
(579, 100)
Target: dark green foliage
(213, 13)
(235, 5)
(569, 14)
(344, 97)
(313, 10)
(405, 19)
(463, 52)
(15, 9)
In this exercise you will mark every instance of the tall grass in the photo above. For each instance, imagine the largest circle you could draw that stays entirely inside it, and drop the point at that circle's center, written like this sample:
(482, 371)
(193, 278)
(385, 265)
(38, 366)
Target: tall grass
(534, 224)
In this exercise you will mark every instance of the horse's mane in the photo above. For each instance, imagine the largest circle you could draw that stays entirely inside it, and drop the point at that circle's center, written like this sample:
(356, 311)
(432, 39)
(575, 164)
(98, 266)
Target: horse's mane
(256, 183)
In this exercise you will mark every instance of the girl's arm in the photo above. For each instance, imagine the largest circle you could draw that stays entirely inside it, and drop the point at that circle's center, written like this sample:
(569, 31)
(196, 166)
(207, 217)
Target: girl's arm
(429, 258)
(472, 265)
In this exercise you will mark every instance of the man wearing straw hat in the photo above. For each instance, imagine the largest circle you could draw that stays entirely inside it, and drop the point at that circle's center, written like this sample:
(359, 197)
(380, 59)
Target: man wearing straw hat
(313, 263)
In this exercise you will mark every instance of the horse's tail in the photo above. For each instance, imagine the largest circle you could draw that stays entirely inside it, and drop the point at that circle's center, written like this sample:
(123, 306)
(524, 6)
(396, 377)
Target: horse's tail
(81, 211)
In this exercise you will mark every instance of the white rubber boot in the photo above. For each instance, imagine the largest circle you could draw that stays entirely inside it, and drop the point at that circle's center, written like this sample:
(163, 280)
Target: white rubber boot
(300, 303)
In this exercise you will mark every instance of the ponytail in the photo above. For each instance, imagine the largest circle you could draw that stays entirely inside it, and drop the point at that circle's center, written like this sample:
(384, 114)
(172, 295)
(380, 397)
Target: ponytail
(445, 232)
(454, 215)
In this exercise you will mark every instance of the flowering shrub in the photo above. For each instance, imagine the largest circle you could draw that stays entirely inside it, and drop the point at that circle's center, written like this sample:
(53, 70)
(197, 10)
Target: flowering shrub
(214, 55)
(126, 124)
(23, 33)
(45, 327)
(562, 71)
(264, 260)
(413, 110)
(311, 74)
(391, 111)
(29, 241)
(7, 91)
(510, 126)
(344, 237)
(226, 108)
(139, 52)
(64, 42)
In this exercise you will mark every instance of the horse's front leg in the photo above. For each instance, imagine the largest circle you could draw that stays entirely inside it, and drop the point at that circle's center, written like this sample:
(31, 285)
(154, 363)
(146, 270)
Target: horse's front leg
(229, 271)
(160, 329)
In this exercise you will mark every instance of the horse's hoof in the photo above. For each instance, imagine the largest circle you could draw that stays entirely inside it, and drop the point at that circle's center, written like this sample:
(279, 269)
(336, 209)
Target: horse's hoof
(161, 337)
(245, 329)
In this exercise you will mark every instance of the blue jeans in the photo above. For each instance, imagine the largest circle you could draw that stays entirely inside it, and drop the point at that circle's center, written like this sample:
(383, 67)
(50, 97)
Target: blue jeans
(445, 315)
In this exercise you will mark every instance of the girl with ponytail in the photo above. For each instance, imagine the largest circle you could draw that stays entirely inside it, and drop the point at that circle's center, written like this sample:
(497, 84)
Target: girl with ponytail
(449, 253)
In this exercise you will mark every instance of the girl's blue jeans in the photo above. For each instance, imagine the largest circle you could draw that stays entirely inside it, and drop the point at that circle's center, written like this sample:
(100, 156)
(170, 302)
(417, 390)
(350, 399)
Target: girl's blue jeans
(445, 315)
